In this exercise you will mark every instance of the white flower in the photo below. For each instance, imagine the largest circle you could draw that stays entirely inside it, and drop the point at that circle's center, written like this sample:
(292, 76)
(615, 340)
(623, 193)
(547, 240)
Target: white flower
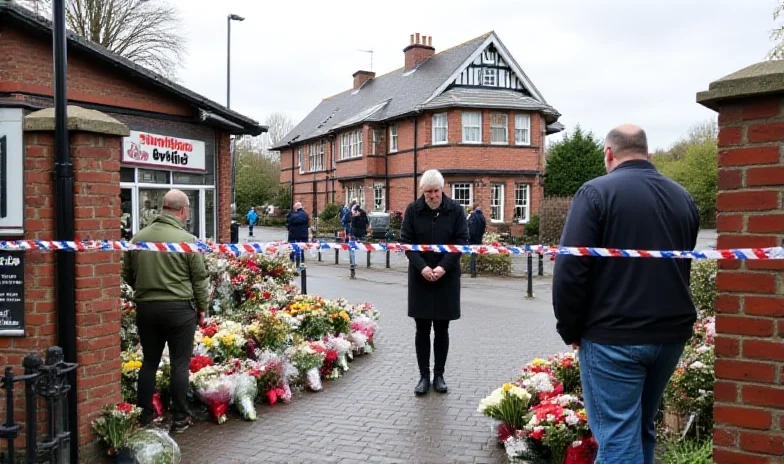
(493, 400)
(697, 365)
(703, 349)
(540, 382)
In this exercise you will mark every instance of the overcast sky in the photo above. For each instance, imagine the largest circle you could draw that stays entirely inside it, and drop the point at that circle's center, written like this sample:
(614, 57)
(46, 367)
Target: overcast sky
(598, 62)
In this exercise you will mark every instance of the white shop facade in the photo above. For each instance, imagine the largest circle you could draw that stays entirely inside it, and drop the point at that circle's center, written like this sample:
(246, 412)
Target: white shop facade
(152, 164)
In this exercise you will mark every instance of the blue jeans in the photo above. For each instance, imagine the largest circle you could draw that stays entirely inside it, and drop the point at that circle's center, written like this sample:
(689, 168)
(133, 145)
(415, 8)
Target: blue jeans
(622, 389)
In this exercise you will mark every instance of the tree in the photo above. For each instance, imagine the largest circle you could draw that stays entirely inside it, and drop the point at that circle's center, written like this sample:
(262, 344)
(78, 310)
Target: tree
(144, 31)
(572, 161)
(279, 125)
(693, 163)
(258, 178)
(777, 35)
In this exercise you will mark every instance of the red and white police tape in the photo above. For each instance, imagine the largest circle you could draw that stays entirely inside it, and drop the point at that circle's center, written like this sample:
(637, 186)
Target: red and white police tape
(284, 247)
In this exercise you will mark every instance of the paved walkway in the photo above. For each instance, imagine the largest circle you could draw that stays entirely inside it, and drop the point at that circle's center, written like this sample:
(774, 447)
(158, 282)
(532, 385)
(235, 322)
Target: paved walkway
(371, 414)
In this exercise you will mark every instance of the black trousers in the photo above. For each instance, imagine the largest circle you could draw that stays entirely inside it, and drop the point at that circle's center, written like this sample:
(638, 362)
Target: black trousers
(440, 345)
(160, 323)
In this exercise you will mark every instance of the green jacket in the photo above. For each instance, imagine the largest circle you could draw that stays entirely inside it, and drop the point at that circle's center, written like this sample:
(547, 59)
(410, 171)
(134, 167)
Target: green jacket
(163, 275)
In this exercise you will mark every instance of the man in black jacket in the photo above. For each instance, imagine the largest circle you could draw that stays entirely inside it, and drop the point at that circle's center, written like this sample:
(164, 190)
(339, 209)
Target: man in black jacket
(477, 224)
(630, 317)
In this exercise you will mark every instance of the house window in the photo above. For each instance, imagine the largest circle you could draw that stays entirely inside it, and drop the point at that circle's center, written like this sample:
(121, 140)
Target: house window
(439, 128)
(497, 203)
(462, 193)
(490, 77)
(472, 127)
(356, 192)
(499, 128)
(316, 156)
(351, 144)
(299, 160)
(373, 144)
(522, 129)
(393, 138)
(378, 196)
(522, 200)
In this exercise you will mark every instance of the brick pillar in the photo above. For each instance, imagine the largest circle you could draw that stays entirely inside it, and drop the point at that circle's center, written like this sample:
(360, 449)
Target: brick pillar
(223, 190)
(749, 390)
(96, 143)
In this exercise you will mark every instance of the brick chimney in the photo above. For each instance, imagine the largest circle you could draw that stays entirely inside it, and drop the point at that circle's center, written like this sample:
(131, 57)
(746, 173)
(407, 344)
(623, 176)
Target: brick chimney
(360, 77)
(418, 50)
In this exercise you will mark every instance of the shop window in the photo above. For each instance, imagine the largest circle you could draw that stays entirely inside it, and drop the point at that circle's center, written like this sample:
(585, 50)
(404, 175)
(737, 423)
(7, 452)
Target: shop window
(148, 176)
(209, 214)
(127, 175)
(187, 178)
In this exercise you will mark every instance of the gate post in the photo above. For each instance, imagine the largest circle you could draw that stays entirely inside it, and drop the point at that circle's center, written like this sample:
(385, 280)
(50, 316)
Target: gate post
(749, 388)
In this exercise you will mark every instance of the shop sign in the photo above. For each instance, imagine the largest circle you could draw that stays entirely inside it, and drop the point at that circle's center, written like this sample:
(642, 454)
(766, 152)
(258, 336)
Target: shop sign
(163, 152)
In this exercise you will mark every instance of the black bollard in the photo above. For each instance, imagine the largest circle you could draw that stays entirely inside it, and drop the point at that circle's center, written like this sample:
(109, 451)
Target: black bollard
(304, 275)
(319, 255)
(541, 264)
(337, 256)
(368, 259)
(387, 259)
(530, 276)
(353, 271)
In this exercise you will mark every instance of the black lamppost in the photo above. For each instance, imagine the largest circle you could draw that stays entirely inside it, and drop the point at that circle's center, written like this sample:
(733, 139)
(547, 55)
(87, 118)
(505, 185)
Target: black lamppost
(229, 19)
(64, 220)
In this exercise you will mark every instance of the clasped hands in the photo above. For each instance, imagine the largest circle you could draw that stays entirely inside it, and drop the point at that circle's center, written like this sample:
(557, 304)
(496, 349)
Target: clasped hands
(433, 274)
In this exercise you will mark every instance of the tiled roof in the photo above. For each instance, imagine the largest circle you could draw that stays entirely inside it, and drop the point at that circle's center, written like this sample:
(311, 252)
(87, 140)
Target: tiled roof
(208, 109)
(401, 92)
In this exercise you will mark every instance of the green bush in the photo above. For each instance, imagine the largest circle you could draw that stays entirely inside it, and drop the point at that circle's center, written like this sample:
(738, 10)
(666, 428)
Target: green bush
(703, 285)
(500, 265)
(532, 228)
(676, 451)
(329, 212)
(572, 161)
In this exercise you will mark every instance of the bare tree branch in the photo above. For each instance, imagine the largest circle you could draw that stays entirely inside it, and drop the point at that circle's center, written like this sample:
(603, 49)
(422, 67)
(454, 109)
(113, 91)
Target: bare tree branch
(147, 32)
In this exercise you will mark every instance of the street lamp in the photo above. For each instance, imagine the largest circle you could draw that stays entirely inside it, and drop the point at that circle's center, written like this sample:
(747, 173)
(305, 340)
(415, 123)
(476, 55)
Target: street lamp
(229, 19)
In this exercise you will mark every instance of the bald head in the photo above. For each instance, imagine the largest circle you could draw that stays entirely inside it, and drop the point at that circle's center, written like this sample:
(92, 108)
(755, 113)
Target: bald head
(175, 200)
(297, 205)
(627, 140)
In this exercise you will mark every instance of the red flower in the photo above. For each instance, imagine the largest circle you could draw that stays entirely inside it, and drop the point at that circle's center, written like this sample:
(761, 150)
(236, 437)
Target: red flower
(199, 362)
(582, 454)
(266, 295)
(125, 408)
(272, 396)
(537, 434)
(210, 329)
(157, 405)
(504, 432)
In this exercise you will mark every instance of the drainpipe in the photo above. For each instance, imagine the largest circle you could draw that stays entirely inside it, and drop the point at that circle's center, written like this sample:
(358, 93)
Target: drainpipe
(415, 156)
(386, 181)
(64, 222)
(293, 166)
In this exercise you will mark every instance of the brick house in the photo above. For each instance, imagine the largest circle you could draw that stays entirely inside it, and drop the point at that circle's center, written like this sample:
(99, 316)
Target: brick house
(469, 111)
(133, 135)
(162, 116)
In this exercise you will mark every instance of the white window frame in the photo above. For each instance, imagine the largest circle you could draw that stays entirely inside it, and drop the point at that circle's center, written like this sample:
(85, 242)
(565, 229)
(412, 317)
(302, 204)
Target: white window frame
(374, 137)
(316, 156)
(470, 192)
(526, 207)
(490, 77)
(471, 126)
(356, 192)
(299, 160)
(351, 144)
(525, 119)
(379, 196)
(505, 127)
(440, 122)
(393, 138)
(493, 188)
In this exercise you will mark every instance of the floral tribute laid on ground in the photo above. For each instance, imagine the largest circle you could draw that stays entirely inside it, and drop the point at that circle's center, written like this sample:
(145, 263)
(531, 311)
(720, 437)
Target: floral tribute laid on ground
(541, 418)
(262, 340)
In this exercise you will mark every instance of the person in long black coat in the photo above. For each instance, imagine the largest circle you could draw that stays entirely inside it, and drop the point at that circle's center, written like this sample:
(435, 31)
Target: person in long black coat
(433, 278)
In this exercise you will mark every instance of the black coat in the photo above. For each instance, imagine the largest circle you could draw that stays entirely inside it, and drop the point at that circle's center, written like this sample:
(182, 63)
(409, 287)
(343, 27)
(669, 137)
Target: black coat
(439, 300)
(297, 224)
(359, 224)
(477, 225)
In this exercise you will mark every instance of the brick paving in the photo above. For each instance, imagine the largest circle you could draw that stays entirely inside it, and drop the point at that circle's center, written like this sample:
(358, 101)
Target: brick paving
(371, 414)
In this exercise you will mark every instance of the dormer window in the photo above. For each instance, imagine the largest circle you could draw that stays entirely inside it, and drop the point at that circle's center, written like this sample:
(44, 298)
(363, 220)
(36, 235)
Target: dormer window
(490, 77)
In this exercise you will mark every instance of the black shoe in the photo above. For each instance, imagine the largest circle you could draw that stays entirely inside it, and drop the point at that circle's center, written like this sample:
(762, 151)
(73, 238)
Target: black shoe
(181, 425)
(439, 384)
(146, 418)
(423, 386)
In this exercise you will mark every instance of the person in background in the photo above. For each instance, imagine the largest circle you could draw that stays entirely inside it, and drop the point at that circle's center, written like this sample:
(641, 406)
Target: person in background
(297, 223)
(477, 224)
(345, 218)
(433, 278)
(630, 318)
(147, 215)
(171, 295)
(358, 230)
(252, 217)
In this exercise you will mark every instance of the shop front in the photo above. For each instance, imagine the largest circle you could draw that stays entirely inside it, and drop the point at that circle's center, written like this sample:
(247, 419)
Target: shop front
(151, 165)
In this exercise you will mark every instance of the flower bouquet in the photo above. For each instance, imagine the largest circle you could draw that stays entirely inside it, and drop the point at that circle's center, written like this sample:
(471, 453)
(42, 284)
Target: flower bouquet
(131, 363)
(215, 389)
(566, 368)
(690, 390)
(115, 425)
(245, 395)
(308, 361)
(220, 339)
(153, 446)
(343, 349)
(268, 331)
(556, 425)
(509, 405)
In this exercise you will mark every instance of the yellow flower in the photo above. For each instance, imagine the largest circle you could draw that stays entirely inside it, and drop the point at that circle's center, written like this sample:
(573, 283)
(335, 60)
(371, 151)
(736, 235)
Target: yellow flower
(207, 341)
(228, 339)
(539, 362)
(345, 316)
(131, 365)
(508, 386)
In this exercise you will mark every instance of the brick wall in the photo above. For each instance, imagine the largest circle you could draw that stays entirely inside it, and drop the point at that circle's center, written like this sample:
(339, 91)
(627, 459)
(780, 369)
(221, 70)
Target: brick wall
(26, 67)
(749, 407)
(97, 210)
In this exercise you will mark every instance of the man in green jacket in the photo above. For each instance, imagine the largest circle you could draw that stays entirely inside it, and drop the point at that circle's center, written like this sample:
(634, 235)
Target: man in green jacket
(171, 294)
